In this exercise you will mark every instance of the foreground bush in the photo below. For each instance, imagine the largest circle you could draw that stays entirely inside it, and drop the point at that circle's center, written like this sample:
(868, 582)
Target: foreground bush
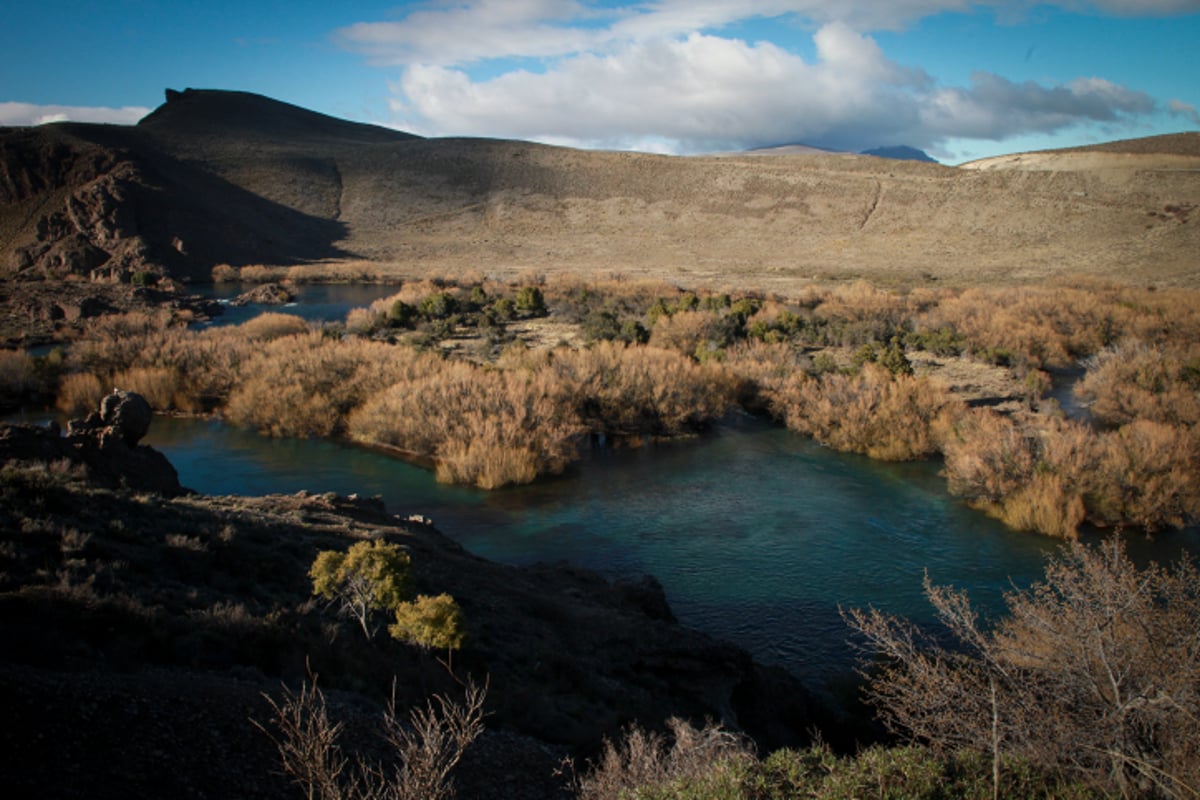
(426, 747)
(1092, 676)
(712, 764)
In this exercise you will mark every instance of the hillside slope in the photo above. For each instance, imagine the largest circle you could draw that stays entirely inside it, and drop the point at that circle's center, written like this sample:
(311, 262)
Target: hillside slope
(214, 177)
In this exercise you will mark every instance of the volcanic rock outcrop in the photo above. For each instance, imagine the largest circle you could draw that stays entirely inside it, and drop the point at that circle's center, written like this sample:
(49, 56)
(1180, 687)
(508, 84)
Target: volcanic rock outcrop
(105, 443)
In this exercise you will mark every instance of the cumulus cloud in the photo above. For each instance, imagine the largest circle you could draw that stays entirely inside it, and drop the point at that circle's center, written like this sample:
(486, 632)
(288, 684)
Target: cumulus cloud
(704, 93)
(22, 114)
(660, 75)
(458, 32)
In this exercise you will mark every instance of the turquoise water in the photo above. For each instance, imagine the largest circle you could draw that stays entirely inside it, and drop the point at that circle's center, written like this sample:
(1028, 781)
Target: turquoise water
(757, 535)
(314, 302)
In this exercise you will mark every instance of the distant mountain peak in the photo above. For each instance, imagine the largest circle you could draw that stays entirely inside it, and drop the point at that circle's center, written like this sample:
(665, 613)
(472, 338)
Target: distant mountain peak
(900, 153)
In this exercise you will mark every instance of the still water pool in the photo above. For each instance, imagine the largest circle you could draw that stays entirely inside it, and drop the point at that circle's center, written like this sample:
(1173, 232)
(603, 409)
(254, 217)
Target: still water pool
(758, 535)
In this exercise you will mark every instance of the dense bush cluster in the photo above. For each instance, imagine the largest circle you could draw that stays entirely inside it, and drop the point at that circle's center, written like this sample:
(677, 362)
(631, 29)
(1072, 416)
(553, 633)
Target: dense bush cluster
(836, 364)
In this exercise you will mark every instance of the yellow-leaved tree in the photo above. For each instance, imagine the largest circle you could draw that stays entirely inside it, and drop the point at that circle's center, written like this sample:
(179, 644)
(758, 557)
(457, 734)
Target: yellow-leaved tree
(371, 576)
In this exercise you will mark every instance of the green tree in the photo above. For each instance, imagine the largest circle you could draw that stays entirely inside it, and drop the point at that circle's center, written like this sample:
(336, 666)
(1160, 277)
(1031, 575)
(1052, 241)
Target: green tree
(430, 623)
(371, 576)
(531, 300)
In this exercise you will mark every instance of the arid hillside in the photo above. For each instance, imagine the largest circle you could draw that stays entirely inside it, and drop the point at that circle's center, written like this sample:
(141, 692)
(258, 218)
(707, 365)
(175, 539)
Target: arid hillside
(225, 177)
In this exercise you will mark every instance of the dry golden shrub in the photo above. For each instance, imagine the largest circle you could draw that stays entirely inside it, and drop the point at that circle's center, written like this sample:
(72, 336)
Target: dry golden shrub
(1027, 473)
(226, 273)
(360, 321)
(483, 426)
(157, 384)
(412, 293)
(261, 273)
(307, 385)
(272, 325)
(1139, 381)
(688, 332)
(17, 374)
(762, 369)
(80, 393)
(885, 416)
(335, 272)
(117, 342)
(626, 390)
(860, 301)
(1148, 475)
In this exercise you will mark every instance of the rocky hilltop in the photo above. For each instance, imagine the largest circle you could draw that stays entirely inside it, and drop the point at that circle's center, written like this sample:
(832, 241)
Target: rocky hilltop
(226, 177)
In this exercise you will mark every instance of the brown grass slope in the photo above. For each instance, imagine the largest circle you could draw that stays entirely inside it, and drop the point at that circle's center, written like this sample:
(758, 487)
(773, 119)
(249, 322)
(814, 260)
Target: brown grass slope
(326, 188)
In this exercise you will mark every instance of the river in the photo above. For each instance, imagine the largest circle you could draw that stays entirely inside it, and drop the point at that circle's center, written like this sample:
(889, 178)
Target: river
(758, 535)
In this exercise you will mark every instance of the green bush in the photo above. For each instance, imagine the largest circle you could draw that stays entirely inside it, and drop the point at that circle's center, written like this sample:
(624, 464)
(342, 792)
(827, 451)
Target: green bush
(370, 576)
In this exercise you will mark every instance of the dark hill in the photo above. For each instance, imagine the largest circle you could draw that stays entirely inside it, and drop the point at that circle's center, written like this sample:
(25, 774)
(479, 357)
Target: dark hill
(900, 153)
(228, 177)
(197, 113)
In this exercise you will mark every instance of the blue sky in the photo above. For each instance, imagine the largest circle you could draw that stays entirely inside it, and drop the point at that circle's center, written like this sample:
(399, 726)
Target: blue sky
(958, 78)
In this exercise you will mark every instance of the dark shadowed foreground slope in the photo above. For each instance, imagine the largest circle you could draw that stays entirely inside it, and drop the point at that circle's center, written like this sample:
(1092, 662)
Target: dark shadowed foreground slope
(227, 177)
(139, 631)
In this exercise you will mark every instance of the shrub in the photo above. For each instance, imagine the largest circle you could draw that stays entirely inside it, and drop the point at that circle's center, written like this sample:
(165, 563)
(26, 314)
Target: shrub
(307, 385)
(1148, 475)
(1092, 674)
(80, 393)
(1024, 473)
(370, 576)
(438, 305)
(1138, 381)
(156, 384)
(483, 426)
(431, 623)
(272, 325)
(18, 378)
(885, 416)
(629, 390)
(644, 763)
(427, 746)
(1047, 474)
(530, 300)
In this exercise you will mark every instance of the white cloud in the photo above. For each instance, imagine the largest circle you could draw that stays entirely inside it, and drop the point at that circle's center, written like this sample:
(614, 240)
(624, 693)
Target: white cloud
(706, 93)
(659, 75)
(456, 32)
(22, 114)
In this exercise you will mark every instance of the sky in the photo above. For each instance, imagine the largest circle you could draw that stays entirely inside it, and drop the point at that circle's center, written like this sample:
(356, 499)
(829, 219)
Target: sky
(957, 78)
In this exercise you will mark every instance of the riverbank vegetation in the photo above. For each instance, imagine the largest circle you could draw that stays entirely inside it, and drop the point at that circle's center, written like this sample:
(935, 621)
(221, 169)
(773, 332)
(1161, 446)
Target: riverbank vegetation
(497, 383)
(1086, 688)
